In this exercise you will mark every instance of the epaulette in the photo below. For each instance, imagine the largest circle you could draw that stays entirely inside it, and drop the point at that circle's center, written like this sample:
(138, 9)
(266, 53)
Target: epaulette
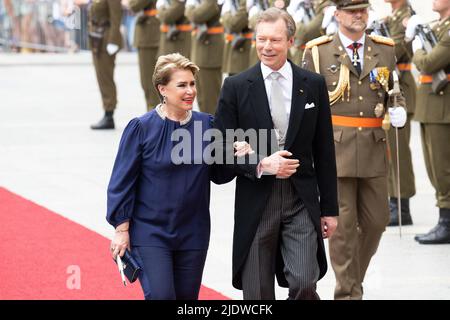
(318, 41)
(381, 39)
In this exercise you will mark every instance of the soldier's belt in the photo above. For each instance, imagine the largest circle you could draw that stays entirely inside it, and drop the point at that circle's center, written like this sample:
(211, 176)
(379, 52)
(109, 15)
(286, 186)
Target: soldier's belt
(180, 27)
(151, 12)
(404, 66)
(229, 37)
(214, 30)
(356, 122)
(427, 79)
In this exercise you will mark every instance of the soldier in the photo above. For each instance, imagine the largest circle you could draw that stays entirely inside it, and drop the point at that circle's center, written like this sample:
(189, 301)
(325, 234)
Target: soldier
(207, 49)
(238, 36)
(146, 40)
(175, 28)
(433, 113)
(401, 11)
(358, 71)
(105, 41)
(313, 29)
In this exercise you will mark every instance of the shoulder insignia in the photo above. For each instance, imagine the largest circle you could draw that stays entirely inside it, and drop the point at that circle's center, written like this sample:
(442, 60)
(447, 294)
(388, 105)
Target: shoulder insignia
(382, 40)
(318, 41)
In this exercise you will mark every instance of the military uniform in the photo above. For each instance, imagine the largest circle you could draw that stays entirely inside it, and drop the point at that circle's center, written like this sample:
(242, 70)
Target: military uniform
(146, 40)
(403, 53)
(359, 102)
(207, 48)
(104, 18)
(433, 113)
(238, 36)
(175, 28)
(310, 31)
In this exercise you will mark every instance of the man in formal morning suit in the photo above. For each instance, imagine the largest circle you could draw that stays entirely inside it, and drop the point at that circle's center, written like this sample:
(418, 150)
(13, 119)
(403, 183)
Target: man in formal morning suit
(279, 221)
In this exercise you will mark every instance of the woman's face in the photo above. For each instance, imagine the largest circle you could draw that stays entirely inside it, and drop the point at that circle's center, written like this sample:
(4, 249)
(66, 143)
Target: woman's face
(180, 92)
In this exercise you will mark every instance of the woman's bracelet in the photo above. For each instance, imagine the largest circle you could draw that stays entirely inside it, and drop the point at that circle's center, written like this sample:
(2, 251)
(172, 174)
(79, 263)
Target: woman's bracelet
(125, 230)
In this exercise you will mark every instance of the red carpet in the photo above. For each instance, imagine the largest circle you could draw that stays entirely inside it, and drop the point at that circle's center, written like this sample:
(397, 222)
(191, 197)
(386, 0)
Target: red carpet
(42, 253)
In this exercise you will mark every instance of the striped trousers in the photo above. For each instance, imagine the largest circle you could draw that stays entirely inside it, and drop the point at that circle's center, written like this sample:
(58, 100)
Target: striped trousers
(285, 225)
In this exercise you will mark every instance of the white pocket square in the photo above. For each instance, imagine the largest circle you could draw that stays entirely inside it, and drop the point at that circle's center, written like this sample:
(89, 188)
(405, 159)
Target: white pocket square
(310, 105)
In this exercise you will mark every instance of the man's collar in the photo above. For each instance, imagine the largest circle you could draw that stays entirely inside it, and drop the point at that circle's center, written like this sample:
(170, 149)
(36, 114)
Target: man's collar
(285, 70)
(347, 41)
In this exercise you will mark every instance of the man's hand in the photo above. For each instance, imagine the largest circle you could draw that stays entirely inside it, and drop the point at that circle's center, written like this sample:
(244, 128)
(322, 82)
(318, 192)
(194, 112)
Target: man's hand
(398, 116)
(280, 166)
(328, 226)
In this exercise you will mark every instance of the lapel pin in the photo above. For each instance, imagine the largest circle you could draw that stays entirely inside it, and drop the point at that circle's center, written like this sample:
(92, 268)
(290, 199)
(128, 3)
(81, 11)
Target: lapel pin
(301, 91)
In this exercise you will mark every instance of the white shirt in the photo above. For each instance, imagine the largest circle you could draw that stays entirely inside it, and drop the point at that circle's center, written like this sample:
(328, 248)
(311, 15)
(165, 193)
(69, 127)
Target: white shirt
(285, 80)
(346, 42)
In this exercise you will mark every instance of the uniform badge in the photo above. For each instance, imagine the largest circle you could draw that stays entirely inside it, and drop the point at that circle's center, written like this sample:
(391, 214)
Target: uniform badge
(374, 85)
(379, 78)
(333, 68)
(378, 110)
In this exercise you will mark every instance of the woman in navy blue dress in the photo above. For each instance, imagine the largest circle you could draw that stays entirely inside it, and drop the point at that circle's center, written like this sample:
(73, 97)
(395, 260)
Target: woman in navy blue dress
(159, 207)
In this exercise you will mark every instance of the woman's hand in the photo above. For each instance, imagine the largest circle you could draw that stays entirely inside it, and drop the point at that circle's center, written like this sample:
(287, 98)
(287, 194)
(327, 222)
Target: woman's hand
(242, 148)
(121, 240)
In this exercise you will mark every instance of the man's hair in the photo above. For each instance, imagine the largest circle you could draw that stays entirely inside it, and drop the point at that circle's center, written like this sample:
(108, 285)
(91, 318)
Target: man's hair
(166, 65)
(273, 14)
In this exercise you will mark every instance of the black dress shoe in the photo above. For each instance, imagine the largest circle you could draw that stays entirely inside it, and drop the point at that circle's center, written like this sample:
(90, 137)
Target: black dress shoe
(393, 210)
(107, 122)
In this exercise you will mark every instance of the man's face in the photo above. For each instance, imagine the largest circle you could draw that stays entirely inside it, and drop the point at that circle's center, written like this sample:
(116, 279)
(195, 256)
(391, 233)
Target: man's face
(272, 43)
(353, 21)
(441, 5)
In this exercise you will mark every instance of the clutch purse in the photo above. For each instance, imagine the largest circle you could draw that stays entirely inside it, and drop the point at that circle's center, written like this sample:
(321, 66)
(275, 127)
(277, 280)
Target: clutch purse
(131, 267)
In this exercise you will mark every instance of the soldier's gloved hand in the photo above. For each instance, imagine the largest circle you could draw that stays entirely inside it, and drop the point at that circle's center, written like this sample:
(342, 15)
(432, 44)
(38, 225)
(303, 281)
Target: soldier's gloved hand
(328, 14)
(332, 28)
(112, 48)
(398, 116)
(253, 11)
(292, 7)
(160, 4)
(417, 44)
(413, 22)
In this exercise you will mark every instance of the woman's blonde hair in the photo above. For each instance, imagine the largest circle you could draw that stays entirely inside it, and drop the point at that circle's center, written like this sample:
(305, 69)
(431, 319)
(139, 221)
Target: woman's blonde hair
(166, 65)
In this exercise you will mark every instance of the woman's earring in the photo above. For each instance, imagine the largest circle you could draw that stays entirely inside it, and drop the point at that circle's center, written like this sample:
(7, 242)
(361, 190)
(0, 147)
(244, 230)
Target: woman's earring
(164, 100)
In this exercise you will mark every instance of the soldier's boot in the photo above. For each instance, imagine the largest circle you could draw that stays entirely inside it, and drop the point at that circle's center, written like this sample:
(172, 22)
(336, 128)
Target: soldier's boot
(107, 122)
(393, 209)
(440, 233)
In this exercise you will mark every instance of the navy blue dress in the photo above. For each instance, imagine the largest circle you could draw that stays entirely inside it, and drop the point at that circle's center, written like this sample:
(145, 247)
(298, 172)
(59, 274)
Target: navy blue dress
(167, 204)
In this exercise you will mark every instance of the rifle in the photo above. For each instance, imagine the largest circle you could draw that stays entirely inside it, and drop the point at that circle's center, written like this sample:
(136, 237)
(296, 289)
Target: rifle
(429, 41)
